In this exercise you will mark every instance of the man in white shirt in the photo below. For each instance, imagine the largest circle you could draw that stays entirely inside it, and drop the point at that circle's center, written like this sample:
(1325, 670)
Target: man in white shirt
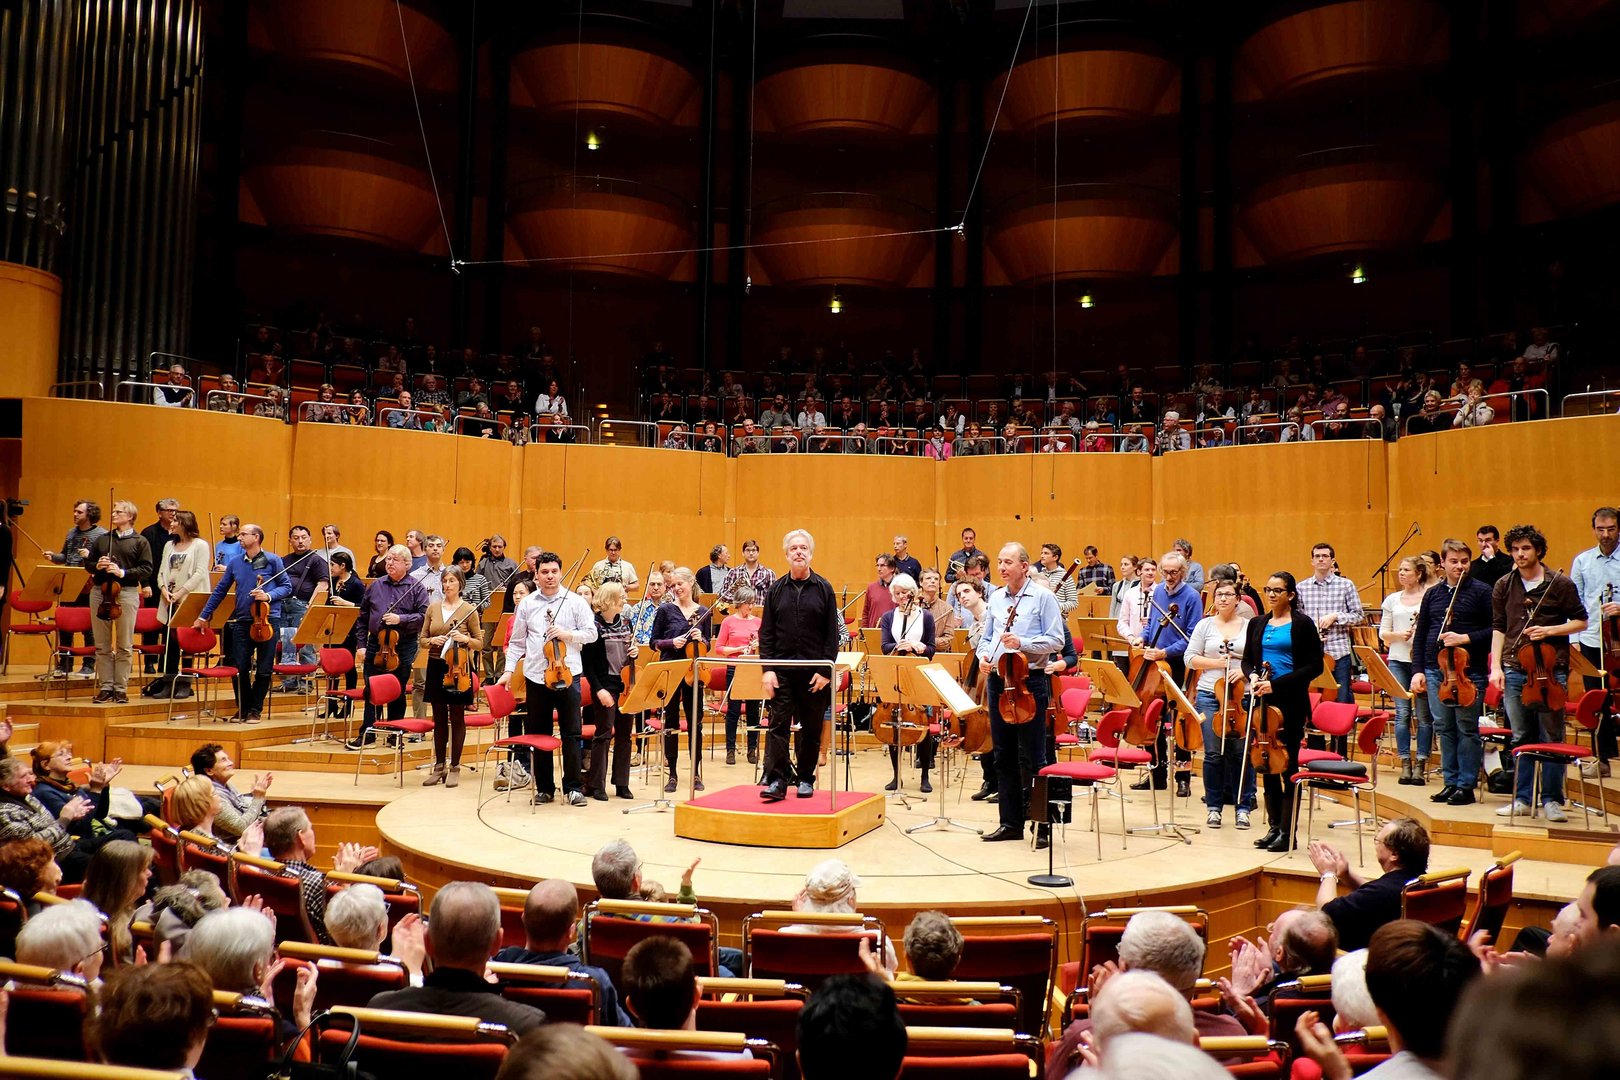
(549, 613)
(811, 418)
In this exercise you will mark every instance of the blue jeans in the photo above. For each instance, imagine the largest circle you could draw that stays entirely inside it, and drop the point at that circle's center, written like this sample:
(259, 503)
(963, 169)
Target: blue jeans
(1531, 724)
(252, 660)
(292, 613)
(1402, 670)
(1020, 750)
(1225, 766)
(1343, 672)
(1458, 729)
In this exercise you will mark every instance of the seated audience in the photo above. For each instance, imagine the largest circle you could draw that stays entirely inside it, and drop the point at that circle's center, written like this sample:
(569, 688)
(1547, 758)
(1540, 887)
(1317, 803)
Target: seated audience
(564, 1052)
(64, 937)
(290, 837)
(1402, 850)
(27, 868)
(1132, 1002)
(550, 927)
(236, 949)
(1134, 1056)
(68, 831)
(195, 805)
(1302, 941)
(464, 926)
(661, 991)
(830, 886)
(1416, 975)
(156, 1016)
(357, 918)
(1353, 1007)
(175, 909)
(115, 882)
(850, 1029)
(236, 811)
(616, 873)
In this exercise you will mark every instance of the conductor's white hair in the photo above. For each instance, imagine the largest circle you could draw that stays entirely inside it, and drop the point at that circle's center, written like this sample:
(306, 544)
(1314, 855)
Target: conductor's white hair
(808, 539)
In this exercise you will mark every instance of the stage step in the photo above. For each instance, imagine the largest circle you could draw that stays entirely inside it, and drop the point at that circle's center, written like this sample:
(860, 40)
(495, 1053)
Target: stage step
(332, 757)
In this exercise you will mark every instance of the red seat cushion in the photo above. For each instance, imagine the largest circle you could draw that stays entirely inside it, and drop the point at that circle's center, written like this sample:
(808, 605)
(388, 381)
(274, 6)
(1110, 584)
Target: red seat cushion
(294, 669)
(415, 727)
(1124, 755)
(477, 720)
(1083, 771)
(587, 731)
(1307, 755)
(531, 742)
(1068, 740)
(1328, 778)
(209, 672)
(1487, 731)
(1557, 749)
(1361, 686)
(1363, 711)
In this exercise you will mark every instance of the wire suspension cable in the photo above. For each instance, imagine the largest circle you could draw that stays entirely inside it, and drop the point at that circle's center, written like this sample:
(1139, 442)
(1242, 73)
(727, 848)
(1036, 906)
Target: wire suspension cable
(421, 126)
(990, 136)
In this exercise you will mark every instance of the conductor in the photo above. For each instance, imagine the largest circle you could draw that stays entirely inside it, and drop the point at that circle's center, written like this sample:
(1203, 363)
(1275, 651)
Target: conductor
(800, 622)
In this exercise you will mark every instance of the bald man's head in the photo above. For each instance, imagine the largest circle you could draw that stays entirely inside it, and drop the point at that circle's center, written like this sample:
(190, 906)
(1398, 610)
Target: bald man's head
(550, 914)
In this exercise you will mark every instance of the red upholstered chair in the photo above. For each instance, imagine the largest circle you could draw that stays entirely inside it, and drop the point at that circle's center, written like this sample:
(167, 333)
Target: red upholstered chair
(1328, 774)
(1018, 950)
(72, 620)
(335, 664)
(611, 927)
(345, 976)
(199, 852)
(808, 958)
(380, 690)
(1588, 711)
(1291, 998)
(165, 841)
(199, 646)
(512, 903)
(1087, 774)
(47, 1013)
(766, 1009)
(1074, 701)
(1099, 943)
(1335, 719)
(657, 1054)
(1439, 898)
(565, 996)
(244, 1038)
(146, 622)
(251, 875)
(1495, 897)
(983, 1054)
(396, 1044)
(503, 702)
(35, 625)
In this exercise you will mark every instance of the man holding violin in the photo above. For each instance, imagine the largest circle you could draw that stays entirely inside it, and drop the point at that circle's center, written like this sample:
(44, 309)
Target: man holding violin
(1455, 614)
(252, 659)
(1596, 574)
(1533, 613)
(394, 602)
(1165, 638)
(1020, 619)
(118, 558)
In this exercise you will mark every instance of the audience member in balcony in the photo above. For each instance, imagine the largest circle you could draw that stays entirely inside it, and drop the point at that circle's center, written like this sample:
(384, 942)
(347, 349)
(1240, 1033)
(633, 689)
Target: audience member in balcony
(427, 359)
(228, 398)
(1211, 437)
(1092, 440)
(666, 409)
(274, 406)
(952, 421)
(1136, 440)
(1101, 414)
(1011, 440)
(1475, 412)
(856, 440)
(885, 417)
(704, 411)
(711, 441)
(810, 416)
(1335, 424)
(1137, 409)
(1284, 379)
(729, 386)
(784, 440)
(1429, 418)
(1172, 436)
(474, 394)
(404, 415)
(776, 414)
(735, 410)
(1216, 407)
(1459, 383)
(846, 414)
(177, 392)
(746, 439)
(919, 413)
(359, 411)
(937, 447)
(505, 369)
(1386, 426)
(1409, 393)
(482, 424)
(1294, 428)
(1025, 414)
(1517, 380)
(324, 409)
(969, 443)
(431, 394)
(1541, 348)
(391, 360)
(826, 440)
(396, 386)
(881, 390)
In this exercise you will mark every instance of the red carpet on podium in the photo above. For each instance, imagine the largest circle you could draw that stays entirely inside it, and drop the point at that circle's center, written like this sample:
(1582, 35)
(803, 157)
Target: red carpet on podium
(746, 797)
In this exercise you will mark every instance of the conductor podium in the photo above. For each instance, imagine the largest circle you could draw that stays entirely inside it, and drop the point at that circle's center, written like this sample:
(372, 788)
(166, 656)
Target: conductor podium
(737, 815)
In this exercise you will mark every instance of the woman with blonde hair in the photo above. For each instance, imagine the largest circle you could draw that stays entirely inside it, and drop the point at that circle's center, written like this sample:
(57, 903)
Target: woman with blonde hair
(680, 620)
(1397, 627)
(603, 661)
(194, 803)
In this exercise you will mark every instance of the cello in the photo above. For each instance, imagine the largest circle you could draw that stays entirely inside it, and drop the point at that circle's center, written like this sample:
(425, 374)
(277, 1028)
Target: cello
(1144, 676)
(1456, 688)
(900, 724)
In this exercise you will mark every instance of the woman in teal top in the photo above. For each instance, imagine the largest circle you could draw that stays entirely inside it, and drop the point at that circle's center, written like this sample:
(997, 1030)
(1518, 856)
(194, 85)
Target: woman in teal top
(1288, 641)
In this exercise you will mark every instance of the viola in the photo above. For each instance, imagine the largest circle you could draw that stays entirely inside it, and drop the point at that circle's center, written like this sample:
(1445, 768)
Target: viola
(557, 676)
(1017, 701)
(261, 631)
(698, 646)
(1456, 688)
(458, 674)
(387, 657)
(1145, 676)
(1229, 691)
(1266, 750)
(110, 610)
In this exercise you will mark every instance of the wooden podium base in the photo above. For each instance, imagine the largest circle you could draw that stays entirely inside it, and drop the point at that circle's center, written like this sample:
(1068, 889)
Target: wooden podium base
(737, 815)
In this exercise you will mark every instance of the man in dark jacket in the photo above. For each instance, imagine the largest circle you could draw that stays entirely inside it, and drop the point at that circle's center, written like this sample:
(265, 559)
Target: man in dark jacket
(550, 925)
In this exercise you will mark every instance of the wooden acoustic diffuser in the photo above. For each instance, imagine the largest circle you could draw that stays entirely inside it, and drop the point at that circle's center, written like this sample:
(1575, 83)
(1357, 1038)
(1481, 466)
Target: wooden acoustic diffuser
(361, 35)
(1332, 41)
(837, 237)
(1099, 85)
(340, 192)
(1339, 207)
(1102, 231)
(623, 79)
(844, 96)
(603, 226)
(1573, 162)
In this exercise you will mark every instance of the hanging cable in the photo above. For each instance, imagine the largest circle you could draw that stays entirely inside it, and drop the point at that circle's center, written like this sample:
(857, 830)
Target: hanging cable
(990, 136)
(421, 126)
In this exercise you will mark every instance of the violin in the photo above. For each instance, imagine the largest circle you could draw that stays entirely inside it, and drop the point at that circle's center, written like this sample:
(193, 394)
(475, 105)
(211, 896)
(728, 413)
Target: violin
(697, 647)
(557, 676)
(1456, 688)
(1145, 676)
(459, 661)
(1266, 750)
(1538, 660)
(1189, 725)
(387, 658)
(1017, 702)
(110, 610)
(1229, 691)
(261, 631)
(1609, 638)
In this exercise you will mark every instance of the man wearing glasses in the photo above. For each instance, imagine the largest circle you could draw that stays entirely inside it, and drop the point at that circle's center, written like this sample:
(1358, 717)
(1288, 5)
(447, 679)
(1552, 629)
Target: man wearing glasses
(614, 568)
(1333, 604)
(1165, 637)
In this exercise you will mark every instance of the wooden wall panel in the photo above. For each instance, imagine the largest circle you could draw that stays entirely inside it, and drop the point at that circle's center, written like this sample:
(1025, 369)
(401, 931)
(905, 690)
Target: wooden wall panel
(1551, 475)
(1264, 506)
(32, 301)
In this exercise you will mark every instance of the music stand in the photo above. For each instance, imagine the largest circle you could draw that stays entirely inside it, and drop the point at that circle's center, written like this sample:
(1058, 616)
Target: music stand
(892, 680)
(1186, 706)
(49, 584)
(323, 626)
(846, 663)
(959, 641)
(1325, 682)
(938, 684)
(1111, 682)
(656, 684)
(1099, 634)
(872, 640)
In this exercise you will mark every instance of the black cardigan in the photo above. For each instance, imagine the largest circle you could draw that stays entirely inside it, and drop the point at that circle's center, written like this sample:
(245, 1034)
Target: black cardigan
(1290, 692)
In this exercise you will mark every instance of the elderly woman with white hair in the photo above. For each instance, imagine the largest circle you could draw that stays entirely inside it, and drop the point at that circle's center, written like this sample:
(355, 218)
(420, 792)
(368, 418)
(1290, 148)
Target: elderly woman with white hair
(236, 948)
(357, 918)
(908, 630)
(64, 937)
(830, 887)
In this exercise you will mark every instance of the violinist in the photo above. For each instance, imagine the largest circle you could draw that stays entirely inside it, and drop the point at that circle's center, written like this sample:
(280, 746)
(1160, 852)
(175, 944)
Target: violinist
(252, 659)
(1133, 599)
(398, 603)
(1216, 653)
(680, 621)
(1397, 627)
(158, 534)
(1165, 638)
(347, 591)
(550, 613)
(1053, 570)
(75, 546)
(182, 569)
(304, 575)
(1533, 613)
(451, 622)
(478, 588)
(1467, 627)
(1021, 618)
(604, 661)
(972, 607)
(1596, 574)
(908, 630)
(1287, 640)
(1123, 583)
(120, 559)
(378, 566)
(739, 636)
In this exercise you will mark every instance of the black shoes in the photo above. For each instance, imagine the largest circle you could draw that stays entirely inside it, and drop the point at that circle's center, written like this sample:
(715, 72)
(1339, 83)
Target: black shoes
(806, 791)
(1269, 838)
(1183, 787)
(1444, 793)
(1002, 833)
(925, 787)
(775, 791)
(1461, 797)
(985, 791)
(1280, 844)
(1142, 785)
(892, 785)
(361, 742)
(623, 793)
(1043, 837)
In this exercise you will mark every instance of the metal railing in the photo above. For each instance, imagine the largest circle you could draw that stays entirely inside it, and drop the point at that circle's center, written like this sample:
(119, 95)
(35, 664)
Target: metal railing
(100, 390)
(1375, 431)
(537, 432)
(897, 445)
(188, 402)
(1046, 443)
(837, 442)
(214, 398)
(1590, 396)
(978, 446)
(1243, 435)
(419, 417)
(1448, 410)
(646, 429)
(336, 412)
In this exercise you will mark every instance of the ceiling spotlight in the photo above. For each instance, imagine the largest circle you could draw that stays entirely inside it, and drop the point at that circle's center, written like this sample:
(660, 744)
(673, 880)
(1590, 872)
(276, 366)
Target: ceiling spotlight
(836, 305)
(1358, 274)
(1087, 301)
